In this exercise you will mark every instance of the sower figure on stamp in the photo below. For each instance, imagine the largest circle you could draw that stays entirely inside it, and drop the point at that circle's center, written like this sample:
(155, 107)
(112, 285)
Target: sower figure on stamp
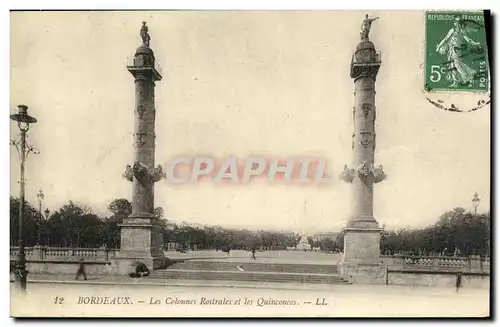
(365, 27)
(81, 270)
(455, 45)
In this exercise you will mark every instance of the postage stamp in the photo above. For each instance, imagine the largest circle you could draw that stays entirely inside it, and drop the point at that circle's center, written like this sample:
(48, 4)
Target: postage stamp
(456, 52)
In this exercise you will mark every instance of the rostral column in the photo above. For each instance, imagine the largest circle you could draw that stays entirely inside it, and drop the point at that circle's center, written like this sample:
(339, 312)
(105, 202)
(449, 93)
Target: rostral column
(141, 233)
(361, 261)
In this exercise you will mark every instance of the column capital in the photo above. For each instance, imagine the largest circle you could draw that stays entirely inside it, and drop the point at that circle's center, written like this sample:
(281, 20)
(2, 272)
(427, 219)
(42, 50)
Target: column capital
(365, 61)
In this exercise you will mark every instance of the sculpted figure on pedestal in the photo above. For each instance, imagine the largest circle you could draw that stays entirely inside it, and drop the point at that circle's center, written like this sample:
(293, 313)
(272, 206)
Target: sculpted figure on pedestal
(145, 35)
(365, 28)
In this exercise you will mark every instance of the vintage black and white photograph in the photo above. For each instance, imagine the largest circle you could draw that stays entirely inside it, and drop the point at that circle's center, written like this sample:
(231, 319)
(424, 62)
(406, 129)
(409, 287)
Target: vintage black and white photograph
(250, 163)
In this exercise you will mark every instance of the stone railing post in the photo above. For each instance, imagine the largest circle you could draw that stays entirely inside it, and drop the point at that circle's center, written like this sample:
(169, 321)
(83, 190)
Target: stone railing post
(37, 253)
(436, 262)
(485, 263)
(475, 263)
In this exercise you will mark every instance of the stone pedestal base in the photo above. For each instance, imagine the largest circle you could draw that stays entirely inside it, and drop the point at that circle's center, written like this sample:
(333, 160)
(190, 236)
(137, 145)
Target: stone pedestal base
(364, 274)
(361, 262)
(123, 266)
(141, 241)
(362, 245)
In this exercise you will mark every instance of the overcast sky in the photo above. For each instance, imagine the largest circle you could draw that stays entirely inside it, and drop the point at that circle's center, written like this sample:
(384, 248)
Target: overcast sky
(274, 84)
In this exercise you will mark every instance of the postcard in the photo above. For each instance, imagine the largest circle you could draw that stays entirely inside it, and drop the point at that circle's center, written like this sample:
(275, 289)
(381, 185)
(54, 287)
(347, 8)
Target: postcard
(250, 163)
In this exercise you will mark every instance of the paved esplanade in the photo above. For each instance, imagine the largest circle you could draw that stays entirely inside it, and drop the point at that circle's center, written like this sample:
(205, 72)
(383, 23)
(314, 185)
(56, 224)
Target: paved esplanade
(141, 235)
(362, 238)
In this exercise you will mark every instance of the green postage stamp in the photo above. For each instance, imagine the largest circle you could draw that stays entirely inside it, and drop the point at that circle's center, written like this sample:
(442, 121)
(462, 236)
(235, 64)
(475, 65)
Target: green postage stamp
(456, 52)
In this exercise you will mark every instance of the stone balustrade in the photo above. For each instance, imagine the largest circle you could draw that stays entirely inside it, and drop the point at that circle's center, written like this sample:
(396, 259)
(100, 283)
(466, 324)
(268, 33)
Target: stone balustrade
(60, 253)
(471, 263)
(486, 263)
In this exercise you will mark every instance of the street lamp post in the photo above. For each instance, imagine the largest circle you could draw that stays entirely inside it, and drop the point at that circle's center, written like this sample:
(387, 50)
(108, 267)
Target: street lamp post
(39, 198)
(23, 122)
(47, 215)
(475, 202)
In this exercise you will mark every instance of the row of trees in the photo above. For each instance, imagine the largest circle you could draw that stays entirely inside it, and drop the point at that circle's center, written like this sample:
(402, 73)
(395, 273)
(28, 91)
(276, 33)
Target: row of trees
(74, 225)
(456, 232)
(216, 238)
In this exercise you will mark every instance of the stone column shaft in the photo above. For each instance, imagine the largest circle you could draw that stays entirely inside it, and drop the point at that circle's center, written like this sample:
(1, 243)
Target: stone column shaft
(363, 147)
(144, 144)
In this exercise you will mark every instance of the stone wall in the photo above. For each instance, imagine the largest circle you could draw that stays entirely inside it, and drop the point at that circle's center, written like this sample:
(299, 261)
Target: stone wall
(59, 267)
(437, 278)
(392, 260)
(442, 263)
(64, 254)
(363, 274)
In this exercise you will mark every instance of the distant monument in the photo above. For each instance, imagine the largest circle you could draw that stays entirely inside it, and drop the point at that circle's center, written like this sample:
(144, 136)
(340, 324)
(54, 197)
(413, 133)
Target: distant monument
(361, 261)
(303, 244)
(141, 233)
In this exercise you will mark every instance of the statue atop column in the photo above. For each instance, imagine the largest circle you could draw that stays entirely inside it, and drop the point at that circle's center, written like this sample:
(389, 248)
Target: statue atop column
(145, 35)
(365, 27)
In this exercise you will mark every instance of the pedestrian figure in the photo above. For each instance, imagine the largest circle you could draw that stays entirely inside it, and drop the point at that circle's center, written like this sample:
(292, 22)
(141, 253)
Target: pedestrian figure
(226, 249)
(253, 253)
(109, 269)
(81, 270)
(141, 270)
(459, 280)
